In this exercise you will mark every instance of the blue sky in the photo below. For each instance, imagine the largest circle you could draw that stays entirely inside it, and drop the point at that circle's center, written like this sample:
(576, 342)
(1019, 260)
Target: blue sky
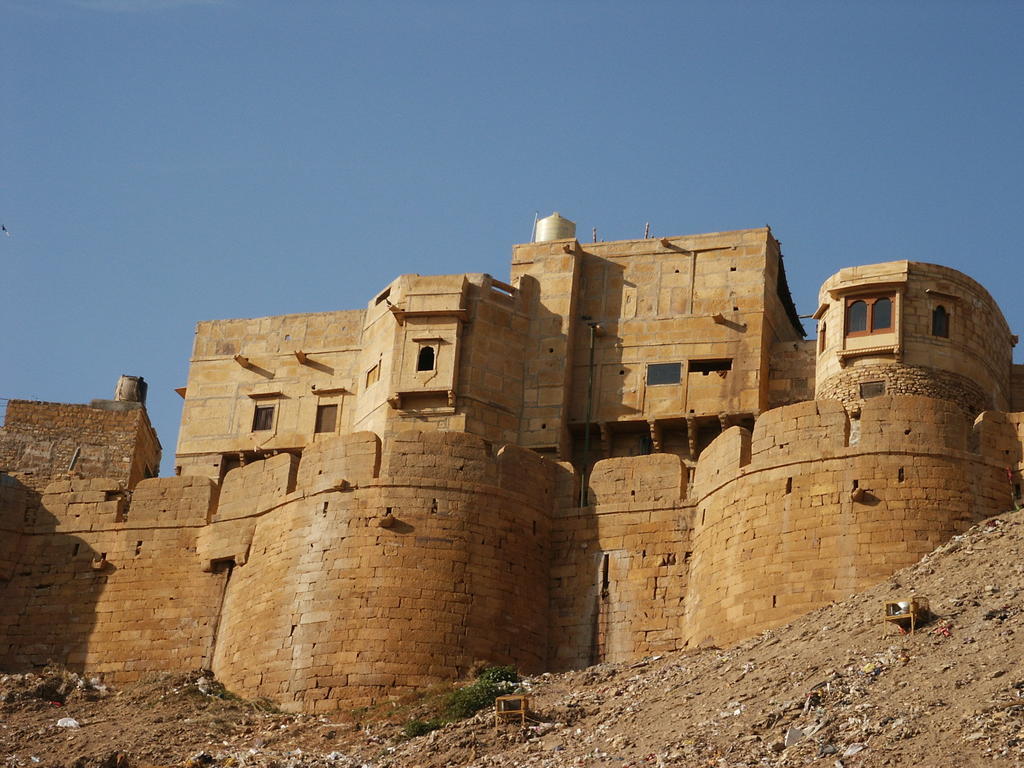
(169, 161)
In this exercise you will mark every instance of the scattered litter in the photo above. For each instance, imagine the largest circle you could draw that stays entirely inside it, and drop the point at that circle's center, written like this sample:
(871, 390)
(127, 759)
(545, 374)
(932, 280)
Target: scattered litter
(68, 722)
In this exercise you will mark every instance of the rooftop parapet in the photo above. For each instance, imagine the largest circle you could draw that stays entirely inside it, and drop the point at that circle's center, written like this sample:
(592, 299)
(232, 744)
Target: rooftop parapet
(822, 429)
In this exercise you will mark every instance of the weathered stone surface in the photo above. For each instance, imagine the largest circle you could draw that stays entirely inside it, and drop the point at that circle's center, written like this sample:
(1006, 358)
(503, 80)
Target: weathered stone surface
(356, 517)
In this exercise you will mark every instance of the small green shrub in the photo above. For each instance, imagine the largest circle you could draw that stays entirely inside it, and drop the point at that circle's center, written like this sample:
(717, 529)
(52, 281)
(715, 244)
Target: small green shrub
(499, 675)
(415, 728)
(489, 685)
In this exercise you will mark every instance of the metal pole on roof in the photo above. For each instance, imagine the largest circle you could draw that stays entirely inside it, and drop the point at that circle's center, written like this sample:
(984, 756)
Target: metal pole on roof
(586, 426)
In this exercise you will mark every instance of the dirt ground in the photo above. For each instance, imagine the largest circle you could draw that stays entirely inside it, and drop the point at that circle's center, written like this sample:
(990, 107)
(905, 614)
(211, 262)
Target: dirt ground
(837, 688)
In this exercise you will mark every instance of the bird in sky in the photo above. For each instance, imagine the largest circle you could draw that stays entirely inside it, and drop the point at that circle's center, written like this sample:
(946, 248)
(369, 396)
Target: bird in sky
(5, 230)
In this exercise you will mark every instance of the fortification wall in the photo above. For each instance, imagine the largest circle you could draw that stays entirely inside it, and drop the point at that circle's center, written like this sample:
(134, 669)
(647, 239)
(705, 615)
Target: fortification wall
(619, 567)
(110, 588)
(362, 571)
(14, 498)
(363, 586)
(816, 505)
(353, 575)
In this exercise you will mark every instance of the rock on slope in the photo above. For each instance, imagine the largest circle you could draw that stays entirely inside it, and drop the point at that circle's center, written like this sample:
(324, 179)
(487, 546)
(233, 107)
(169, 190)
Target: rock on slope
(836, 687)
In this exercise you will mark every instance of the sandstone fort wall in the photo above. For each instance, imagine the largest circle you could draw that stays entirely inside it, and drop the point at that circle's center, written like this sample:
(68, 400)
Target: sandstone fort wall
(365, 570)
(351, 575)
(817, 504)
(619, 569)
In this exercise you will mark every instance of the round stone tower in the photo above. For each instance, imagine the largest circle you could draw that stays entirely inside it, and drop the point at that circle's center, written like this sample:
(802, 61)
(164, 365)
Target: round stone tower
(907, 328)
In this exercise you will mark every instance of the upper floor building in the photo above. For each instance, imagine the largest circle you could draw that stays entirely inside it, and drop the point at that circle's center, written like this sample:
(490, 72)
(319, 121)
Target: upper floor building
(588, 351)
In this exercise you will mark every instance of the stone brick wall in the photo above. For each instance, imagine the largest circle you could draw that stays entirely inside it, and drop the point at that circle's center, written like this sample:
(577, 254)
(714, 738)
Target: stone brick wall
(824, 506)
(14, 504)
(39, 441)
(491, 372)
(791, 372)
(619, 568)
(383, 574)
(113, 589)
(908, 380)
(1017, 388)
(367, 570)
(352, 594)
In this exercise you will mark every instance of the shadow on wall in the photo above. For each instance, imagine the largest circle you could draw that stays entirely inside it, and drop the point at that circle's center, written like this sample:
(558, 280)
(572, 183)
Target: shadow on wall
(53, 583)
(97, 578)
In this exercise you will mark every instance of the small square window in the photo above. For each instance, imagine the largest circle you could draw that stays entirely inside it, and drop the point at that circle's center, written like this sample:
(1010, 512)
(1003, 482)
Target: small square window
(326, 418)
(263, 418)
(663, 373)
(872, 389)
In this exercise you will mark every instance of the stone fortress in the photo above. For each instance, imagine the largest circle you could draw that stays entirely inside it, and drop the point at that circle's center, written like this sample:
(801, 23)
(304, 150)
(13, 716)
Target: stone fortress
(628, 448)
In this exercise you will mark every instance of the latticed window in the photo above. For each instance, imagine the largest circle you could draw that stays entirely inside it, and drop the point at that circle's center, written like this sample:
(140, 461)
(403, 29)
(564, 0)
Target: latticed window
(865, 316)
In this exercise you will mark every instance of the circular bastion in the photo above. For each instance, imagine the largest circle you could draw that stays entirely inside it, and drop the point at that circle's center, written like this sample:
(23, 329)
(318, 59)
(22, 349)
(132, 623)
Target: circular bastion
(819, 503)
(909, 328)
(378, 577)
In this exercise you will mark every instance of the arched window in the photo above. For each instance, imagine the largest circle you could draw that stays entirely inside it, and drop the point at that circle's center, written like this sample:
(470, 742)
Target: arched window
(425, 359)
(865, 316)
(940, 322)
(881, 315)
(821, 338)
(857, 317)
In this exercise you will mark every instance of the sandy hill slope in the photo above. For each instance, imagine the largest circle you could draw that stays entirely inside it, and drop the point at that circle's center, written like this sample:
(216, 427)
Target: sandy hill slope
(838, 687)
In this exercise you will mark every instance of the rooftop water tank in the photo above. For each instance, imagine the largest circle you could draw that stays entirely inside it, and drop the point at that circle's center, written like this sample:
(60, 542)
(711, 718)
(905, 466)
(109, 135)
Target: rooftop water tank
(131, 389)
(554, 227)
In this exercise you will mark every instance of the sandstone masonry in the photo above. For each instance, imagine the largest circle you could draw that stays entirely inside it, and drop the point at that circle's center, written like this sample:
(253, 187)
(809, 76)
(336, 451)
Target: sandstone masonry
(616, 453)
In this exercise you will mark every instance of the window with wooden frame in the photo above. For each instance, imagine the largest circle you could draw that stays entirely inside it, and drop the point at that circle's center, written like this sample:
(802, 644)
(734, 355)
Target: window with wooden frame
(940, 322)
(822, 334)
(326, 418)
(866, 315)
(373, 375)
(263, 418)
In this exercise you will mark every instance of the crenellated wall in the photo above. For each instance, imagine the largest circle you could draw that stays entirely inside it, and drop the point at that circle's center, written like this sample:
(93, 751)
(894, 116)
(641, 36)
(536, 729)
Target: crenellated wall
(817, 504)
